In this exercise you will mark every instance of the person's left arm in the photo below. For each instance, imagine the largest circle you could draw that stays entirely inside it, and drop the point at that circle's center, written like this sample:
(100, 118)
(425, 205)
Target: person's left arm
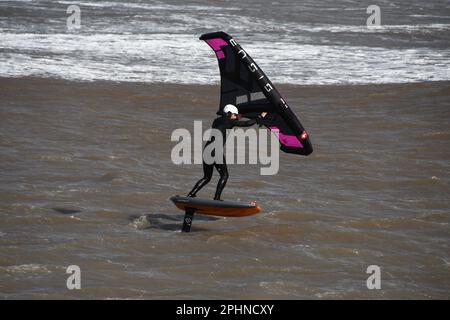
(247, 123)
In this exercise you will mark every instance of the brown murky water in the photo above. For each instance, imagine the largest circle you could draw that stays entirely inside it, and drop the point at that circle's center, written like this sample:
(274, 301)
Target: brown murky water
(86, 174)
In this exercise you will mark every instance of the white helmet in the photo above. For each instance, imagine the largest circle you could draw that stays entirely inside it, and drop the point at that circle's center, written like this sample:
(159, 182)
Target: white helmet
(230, 108)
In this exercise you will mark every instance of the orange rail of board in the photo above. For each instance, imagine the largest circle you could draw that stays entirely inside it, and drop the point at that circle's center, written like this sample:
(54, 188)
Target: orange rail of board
(224, 212)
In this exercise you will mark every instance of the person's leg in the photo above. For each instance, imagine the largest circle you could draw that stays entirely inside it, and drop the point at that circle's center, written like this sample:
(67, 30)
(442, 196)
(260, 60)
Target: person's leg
(207, 174)
(223, 171)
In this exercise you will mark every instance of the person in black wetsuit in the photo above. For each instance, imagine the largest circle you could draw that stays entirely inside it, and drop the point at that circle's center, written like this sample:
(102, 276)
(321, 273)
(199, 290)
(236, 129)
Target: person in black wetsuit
(222, 123)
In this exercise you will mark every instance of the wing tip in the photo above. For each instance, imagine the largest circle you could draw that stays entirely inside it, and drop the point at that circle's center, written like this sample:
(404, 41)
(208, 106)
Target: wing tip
(216, 34)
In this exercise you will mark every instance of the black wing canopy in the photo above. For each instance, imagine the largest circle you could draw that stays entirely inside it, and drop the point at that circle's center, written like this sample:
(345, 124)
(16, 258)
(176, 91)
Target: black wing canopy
(245, 85)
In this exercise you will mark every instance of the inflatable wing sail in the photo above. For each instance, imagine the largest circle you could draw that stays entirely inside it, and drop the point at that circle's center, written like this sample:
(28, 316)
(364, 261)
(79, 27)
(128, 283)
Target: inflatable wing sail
(245, 85)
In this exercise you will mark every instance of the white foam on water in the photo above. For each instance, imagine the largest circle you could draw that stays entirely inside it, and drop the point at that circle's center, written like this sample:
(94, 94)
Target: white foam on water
(423, 28)
(166, 58)
(27, 268)
(141, 222)
(157, 5)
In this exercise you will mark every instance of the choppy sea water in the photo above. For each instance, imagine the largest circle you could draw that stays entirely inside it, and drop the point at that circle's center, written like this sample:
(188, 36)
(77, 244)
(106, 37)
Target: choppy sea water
(312, 42)
(86, 176)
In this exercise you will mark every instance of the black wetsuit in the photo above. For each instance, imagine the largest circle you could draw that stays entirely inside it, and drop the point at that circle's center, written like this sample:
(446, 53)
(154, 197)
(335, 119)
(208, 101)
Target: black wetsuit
(221, 123)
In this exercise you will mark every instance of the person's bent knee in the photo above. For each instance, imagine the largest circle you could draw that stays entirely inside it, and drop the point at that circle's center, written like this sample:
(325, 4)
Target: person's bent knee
(206, 179)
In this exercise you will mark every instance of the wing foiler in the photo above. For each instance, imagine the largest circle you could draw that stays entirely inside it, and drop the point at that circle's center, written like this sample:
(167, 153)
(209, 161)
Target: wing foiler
(245, 85)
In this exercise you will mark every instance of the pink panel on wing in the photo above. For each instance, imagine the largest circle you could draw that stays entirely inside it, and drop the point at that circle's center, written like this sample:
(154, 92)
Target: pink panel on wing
(216, 43)
(220, 54)
(285, 139)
